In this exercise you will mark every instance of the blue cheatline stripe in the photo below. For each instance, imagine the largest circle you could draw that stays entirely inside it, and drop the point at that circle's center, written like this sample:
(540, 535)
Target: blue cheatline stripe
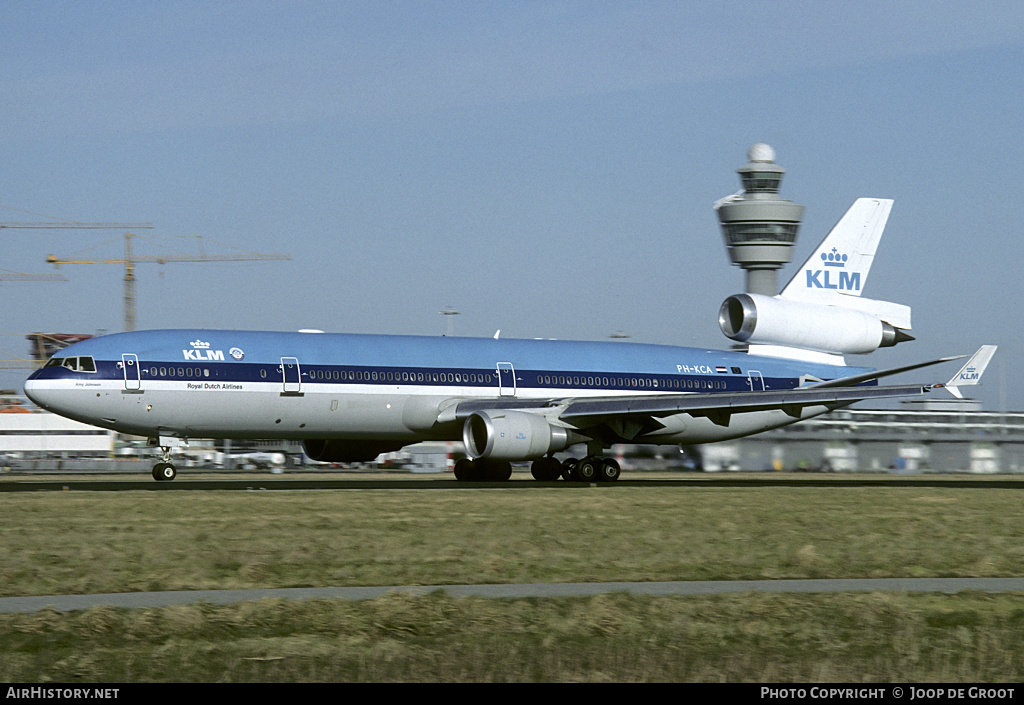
(429, 376)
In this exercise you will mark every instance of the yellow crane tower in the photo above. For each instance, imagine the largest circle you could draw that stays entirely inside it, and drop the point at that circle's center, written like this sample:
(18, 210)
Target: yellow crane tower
(130, 260)
(8, 275)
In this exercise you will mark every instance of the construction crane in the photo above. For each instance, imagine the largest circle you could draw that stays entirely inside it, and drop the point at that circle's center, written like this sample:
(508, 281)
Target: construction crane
(7, 275)
(130, 260)
(74, 225)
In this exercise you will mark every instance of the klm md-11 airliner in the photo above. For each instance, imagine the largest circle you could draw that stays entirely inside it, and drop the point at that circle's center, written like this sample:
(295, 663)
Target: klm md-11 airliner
(349, 398)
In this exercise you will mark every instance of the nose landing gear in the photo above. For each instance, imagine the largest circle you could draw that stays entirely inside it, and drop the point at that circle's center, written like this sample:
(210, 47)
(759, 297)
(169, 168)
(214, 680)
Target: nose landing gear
(164, 471)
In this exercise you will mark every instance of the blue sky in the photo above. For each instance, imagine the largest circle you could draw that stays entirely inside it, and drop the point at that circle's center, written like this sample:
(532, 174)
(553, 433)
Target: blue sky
(545, 168)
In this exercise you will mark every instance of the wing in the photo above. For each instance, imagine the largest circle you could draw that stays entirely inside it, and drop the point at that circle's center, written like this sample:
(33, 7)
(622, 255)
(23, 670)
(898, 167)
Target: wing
(631, 416)
(625, 418)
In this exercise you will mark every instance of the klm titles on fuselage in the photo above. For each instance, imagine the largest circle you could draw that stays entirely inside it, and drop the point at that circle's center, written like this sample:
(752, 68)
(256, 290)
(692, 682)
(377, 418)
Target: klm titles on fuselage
(201, 351)
(208, 355)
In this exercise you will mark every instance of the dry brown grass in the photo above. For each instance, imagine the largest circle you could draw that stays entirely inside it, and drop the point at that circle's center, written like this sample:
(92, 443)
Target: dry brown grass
(608, 638)
(108, 542)
(53, 543)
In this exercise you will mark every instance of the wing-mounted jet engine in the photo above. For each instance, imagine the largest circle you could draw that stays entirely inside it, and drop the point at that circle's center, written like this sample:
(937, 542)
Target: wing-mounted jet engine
(821, 310)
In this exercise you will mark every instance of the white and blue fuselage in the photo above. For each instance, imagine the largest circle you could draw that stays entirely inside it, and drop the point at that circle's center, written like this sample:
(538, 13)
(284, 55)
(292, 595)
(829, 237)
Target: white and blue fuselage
(381, 389)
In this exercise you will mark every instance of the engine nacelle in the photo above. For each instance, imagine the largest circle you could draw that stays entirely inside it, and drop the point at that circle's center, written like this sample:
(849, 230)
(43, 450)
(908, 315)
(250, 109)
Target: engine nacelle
(514, 435)
(770, 320)
(342, 451)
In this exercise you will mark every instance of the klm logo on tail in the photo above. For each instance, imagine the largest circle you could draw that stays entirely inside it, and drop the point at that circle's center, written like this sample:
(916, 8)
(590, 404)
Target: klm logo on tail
(829, 278)
(969, 374)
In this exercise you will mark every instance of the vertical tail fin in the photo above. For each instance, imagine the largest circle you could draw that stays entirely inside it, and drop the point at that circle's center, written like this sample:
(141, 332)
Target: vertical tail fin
(842, 261)
(835, 274)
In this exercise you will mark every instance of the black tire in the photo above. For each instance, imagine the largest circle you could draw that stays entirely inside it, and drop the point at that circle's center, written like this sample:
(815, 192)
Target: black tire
(164, 472)
(497, 470)
(589, 469)
(538, 468)
(569, 469)
(610, 470)
(465, 469)
(546, 469)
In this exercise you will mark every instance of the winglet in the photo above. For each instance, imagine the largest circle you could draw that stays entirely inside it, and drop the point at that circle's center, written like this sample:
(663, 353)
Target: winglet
(971, 373)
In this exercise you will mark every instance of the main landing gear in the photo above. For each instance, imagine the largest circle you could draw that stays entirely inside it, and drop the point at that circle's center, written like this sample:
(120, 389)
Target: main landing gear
(592, 468)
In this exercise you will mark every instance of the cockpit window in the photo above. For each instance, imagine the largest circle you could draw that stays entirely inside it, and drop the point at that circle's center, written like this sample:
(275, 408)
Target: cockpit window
(76, 364)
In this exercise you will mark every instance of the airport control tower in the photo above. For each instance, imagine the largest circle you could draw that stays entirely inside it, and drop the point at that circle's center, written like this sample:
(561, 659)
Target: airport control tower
(760, 228)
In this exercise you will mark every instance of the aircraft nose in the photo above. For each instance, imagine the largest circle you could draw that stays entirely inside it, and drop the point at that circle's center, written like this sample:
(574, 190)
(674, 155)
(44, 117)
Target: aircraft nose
(40, 392)
(32, 391)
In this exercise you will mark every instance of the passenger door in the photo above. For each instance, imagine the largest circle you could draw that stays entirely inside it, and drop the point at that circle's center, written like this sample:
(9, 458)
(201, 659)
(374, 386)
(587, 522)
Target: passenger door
(506, 379)
(132, 373)
(755, 381)
(291, 377)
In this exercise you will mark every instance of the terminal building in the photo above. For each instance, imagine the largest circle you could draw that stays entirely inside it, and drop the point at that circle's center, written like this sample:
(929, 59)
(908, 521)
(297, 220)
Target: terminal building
(901, 440)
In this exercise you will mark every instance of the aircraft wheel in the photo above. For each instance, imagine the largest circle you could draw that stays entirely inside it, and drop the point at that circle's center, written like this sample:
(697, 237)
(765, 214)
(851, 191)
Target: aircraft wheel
(164, 472)
(569, 469)
(609, 471)
(554, 469)
(546, 469)
(497, 471)
(465, 469)
(538, 468)
(588, 469)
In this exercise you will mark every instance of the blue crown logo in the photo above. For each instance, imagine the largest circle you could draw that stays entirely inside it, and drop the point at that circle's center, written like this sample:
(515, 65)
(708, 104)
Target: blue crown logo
(833, 258)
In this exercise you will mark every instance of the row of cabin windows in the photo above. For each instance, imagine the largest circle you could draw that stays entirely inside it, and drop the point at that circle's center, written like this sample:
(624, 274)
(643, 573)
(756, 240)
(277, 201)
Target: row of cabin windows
(361, 376)
(355, 376)
(548, 380)
(442, 377)
(560, 381)
(179, 372)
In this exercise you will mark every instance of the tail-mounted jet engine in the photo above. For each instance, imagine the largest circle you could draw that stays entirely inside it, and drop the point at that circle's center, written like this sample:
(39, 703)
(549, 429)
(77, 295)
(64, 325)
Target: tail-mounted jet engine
(514, 435)
(772, 320)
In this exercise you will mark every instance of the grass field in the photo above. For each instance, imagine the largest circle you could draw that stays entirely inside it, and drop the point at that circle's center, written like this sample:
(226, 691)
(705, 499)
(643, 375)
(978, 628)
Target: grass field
(53, 543)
